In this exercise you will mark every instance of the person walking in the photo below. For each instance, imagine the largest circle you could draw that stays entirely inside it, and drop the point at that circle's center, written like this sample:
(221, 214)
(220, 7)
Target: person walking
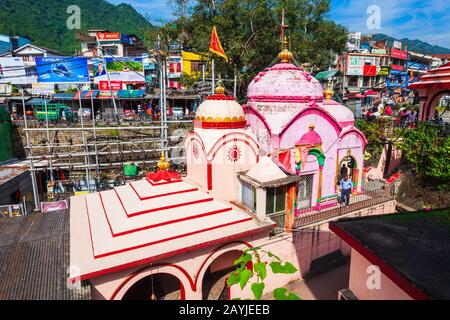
(346, 185)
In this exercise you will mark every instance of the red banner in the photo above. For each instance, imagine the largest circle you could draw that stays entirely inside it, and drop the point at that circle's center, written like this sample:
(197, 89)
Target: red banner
(116, 85)
(54, 206)
(396, 67)
(108, 36)
(395, 53)
(370, 71)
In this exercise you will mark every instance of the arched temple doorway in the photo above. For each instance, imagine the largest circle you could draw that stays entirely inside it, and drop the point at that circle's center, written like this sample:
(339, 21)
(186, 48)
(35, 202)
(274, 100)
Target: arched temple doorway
(348, 167)
(214, 285)
(159, 286)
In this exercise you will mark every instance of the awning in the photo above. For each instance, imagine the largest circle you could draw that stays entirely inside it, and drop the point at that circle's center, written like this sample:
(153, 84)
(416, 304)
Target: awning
(106, 94)
(86, 94)
(37, 102)
(371, 93)
(326, 74)
(63, 96)
(131, 94)
(173, 97)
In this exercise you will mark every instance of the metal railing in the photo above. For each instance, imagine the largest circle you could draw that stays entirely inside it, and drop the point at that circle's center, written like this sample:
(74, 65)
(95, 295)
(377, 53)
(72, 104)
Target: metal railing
(357, 202)
(12, 210)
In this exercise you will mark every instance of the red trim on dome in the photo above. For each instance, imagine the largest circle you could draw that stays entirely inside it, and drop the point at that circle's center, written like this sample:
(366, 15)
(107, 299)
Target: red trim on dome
(220, 125)
(301, 99)
(220, 97)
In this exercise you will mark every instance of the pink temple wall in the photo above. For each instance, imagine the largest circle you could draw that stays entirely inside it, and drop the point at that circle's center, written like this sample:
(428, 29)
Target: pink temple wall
(359, 275)
(300, 249)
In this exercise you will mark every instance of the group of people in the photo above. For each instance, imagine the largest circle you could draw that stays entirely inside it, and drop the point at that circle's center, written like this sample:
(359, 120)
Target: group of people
(405, 116)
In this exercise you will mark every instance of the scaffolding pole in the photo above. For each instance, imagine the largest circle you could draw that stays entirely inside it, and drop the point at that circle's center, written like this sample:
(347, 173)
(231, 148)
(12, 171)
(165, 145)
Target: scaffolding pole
(30, 155)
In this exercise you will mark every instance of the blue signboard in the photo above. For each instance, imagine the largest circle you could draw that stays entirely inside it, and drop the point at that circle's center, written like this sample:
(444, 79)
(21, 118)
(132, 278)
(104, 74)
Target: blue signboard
(62, 69)
(124, 38)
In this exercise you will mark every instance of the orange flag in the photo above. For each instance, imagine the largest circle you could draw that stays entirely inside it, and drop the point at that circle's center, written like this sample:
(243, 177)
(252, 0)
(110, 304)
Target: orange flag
(215, 45)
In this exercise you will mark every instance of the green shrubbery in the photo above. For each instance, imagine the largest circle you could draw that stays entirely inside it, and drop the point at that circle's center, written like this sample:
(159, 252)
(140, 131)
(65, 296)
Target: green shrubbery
(427, 150)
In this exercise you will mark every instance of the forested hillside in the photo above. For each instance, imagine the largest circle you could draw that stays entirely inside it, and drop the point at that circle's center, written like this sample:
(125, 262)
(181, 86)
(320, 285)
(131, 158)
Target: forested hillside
(44, 21)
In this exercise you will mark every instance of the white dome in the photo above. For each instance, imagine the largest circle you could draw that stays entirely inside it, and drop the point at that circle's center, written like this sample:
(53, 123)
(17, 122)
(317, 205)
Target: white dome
(338, 111)
(213, 110)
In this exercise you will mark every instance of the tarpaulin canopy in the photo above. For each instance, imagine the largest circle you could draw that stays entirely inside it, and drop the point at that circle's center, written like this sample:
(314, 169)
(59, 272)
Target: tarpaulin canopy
(63, 96)
(326, 74)
(131, 94)
(86, 94)
(37, 101)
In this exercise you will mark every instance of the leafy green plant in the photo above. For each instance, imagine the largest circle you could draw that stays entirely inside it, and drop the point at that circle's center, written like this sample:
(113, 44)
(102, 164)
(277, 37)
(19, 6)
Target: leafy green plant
(427, 150)
(374, 135)
(251, 269)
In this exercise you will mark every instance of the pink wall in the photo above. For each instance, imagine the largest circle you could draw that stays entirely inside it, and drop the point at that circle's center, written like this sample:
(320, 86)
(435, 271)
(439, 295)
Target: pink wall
(388, 290)
(299, 248)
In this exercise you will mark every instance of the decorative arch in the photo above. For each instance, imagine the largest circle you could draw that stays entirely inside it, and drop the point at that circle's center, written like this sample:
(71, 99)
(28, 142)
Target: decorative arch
(194, 136)
(432, 100)
(319, 155)
(250, 110)
(231, 246)
(360, 135)
(314, 109)
(134, 277)
(226, 138)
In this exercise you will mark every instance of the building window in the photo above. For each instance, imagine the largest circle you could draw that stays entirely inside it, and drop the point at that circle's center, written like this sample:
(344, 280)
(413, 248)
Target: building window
(366, 81)
(110, 51)
(353, 81)
(276, 200)
(249, 196)
(276, 206)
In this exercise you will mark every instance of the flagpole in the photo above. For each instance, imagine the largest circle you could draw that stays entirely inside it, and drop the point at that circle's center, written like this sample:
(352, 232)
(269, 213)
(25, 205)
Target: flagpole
(213, 77)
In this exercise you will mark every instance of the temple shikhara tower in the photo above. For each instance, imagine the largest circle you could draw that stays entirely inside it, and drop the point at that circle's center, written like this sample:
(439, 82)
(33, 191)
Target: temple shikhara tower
(260, 175)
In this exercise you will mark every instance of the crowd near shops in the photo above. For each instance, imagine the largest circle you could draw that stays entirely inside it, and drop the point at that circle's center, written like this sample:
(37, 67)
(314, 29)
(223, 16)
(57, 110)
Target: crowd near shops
(111, 76)
(372, 76)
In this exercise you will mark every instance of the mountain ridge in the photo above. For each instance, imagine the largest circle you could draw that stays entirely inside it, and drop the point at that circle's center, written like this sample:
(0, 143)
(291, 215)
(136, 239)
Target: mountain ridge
(415, 45)
(44, 21)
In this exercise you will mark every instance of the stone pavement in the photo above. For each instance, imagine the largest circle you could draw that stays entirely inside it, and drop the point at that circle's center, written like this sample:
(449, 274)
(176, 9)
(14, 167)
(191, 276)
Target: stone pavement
(322, 287)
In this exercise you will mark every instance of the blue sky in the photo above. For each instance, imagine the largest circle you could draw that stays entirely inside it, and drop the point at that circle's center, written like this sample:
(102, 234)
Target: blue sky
(427, 20)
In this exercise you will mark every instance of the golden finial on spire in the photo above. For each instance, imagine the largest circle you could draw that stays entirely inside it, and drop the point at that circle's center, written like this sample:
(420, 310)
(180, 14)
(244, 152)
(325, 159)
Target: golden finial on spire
(220, 89)
(328, 92)
(162, 163)
(285, 55)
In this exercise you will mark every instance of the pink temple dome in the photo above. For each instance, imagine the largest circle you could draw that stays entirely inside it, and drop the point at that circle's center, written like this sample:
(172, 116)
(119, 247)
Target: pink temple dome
(310, 138)
(284, 82)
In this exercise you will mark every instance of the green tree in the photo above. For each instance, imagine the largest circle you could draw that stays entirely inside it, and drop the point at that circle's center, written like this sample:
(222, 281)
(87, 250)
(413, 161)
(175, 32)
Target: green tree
(427, 150)
(250, 33)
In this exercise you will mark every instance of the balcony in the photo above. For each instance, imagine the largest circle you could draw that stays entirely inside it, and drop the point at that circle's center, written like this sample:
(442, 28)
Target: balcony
(370, 197)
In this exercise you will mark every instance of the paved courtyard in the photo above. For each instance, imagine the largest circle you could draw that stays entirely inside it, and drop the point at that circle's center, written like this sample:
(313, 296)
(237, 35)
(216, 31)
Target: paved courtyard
(322, 287)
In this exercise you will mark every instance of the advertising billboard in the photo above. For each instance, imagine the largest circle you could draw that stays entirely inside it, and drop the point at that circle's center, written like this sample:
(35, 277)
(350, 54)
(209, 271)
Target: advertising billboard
(384, 71)
(125, 69)
(42, 89)
(355, 66)
(62, 69)
(115, 85)
(399, 54)
(14, 71)
(108, 36)
(354, 40)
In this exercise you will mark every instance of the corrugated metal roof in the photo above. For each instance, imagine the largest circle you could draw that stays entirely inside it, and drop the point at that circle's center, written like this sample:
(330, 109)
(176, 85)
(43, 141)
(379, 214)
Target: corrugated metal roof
(34, 258)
